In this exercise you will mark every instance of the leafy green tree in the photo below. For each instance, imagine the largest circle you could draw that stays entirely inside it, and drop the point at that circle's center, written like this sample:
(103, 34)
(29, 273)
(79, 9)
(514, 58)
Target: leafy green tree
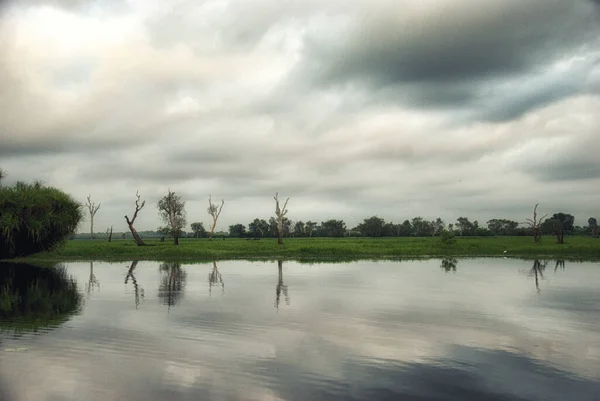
(333, 228)
(35, 218)
(405, 229)
(502, 226)
(198, 230)
(593, 226)
(420, 227)
(258, 228)
(171, 210)
(465, 227)
(372, 227)
(237, 230)
(556, 227)
(567, 220)
(310, 227)
(299, 229)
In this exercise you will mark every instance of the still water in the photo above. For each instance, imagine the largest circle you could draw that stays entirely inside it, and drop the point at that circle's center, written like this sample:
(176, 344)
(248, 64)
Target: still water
(476, 329)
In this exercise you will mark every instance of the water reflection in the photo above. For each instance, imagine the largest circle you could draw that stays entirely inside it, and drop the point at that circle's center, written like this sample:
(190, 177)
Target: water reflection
(281, 287)
(361, 331)
(172, 284)
(138, 292)
(537, 271)
(33, 297)
(560, 264)
(92, 282)
(449, 264)
(214, 278)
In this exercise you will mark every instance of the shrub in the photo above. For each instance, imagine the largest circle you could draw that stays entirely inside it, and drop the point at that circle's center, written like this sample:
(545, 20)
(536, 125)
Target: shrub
(35, 218)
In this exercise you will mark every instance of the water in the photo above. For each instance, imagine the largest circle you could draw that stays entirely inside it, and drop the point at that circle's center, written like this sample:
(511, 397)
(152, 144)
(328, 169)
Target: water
(480, 329)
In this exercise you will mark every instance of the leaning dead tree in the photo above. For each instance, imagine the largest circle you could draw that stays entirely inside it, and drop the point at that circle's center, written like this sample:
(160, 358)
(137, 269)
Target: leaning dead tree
(92, 208)
(215, 212)
(536, 224)
(109, 233)
(280, 213)
(138, 207)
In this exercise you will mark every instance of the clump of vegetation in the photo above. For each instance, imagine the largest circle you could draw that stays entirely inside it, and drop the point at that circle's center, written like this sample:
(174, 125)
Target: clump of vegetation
(35, 218)
(448, 237)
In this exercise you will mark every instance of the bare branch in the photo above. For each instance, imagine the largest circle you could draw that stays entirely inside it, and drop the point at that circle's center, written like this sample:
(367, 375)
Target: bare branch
(138, 207)
(215, 212)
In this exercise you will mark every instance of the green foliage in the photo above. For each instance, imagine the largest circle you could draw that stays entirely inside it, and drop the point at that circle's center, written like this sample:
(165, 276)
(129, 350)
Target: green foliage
(35, 218)
(321, 248)
(333, 228)
(237, 231)
(372, 227)
(448, 237)
(172, 212)
(199, 230)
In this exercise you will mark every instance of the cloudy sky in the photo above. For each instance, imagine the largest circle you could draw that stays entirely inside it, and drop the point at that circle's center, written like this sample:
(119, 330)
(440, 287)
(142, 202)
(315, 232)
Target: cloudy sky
(351, 108)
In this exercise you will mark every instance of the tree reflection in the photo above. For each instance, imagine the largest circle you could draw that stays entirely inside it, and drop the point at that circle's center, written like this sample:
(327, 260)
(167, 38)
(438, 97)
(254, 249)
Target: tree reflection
(281, 287)
(170, 290)
(92, 281)
(137, 290)
(537, 271)
(214, 278)
(32, 297)
(560, 264)
(449, 264)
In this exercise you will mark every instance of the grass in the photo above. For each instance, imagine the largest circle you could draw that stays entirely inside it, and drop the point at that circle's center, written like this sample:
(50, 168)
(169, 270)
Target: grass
(321, 249)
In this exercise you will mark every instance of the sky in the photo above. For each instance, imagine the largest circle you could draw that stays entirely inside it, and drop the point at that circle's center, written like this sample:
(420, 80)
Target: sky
(350, 108)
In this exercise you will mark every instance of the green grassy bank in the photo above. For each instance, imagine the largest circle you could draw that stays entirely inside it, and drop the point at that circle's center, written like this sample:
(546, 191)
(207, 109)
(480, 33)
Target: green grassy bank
(323, 248)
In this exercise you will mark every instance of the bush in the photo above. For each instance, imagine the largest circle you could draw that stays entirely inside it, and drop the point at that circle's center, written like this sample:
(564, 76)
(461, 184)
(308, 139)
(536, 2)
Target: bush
(447, 237)
(35, 218)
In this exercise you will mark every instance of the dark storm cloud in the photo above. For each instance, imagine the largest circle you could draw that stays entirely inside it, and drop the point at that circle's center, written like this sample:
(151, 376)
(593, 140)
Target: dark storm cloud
(446, 58)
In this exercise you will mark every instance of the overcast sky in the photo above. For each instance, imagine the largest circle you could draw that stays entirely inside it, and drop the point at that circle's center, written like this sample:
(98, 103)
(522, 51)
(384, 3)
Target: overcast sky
(351, 108)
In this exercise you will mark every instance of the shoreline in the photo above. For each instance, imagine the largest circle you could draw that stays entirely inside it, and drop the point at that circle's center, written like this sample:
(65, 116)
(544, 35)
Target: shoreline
(322, 249)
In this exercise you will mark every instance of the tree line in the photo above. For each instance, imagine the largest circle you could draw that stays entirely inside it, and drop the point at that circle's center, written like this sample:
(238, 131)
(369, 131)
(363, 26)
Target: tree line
(35, 218)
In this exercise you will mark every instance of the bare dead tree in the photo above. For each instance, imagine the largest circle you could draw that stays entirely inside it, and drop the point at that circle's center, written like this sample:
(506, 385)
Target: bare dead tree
(215, 212)
(138, 207)
(536, 224)
(109, 233)
(92, 208)
(280, 213)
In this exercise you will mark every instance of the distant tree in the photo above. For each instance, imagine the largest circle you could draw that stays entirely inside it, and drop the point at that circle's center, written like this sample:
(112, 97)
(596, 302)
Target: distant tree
(405, 229)
(535, 224)
(215, 212)
(138, 240)
(2, 176)
(502, 226)
(92, 208)
(35, 218)
(273, 227)
(299, 229)
(372, 226)
(593, 226)
(465, 227)
(567, 220)
(171, 210)
(198, 230)
(237, 230)
(258, 228)
(280, 212)
(333, 228)
(389, 230)
(309, 228)
(420, 227)
(437, 226)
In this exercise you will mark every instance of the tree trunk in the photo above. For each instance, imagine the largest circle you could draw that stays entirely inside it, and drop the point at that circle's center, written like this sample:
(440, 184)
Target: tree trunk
(110, 235)
(92, 226)
(136, 236)
(176, 240)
